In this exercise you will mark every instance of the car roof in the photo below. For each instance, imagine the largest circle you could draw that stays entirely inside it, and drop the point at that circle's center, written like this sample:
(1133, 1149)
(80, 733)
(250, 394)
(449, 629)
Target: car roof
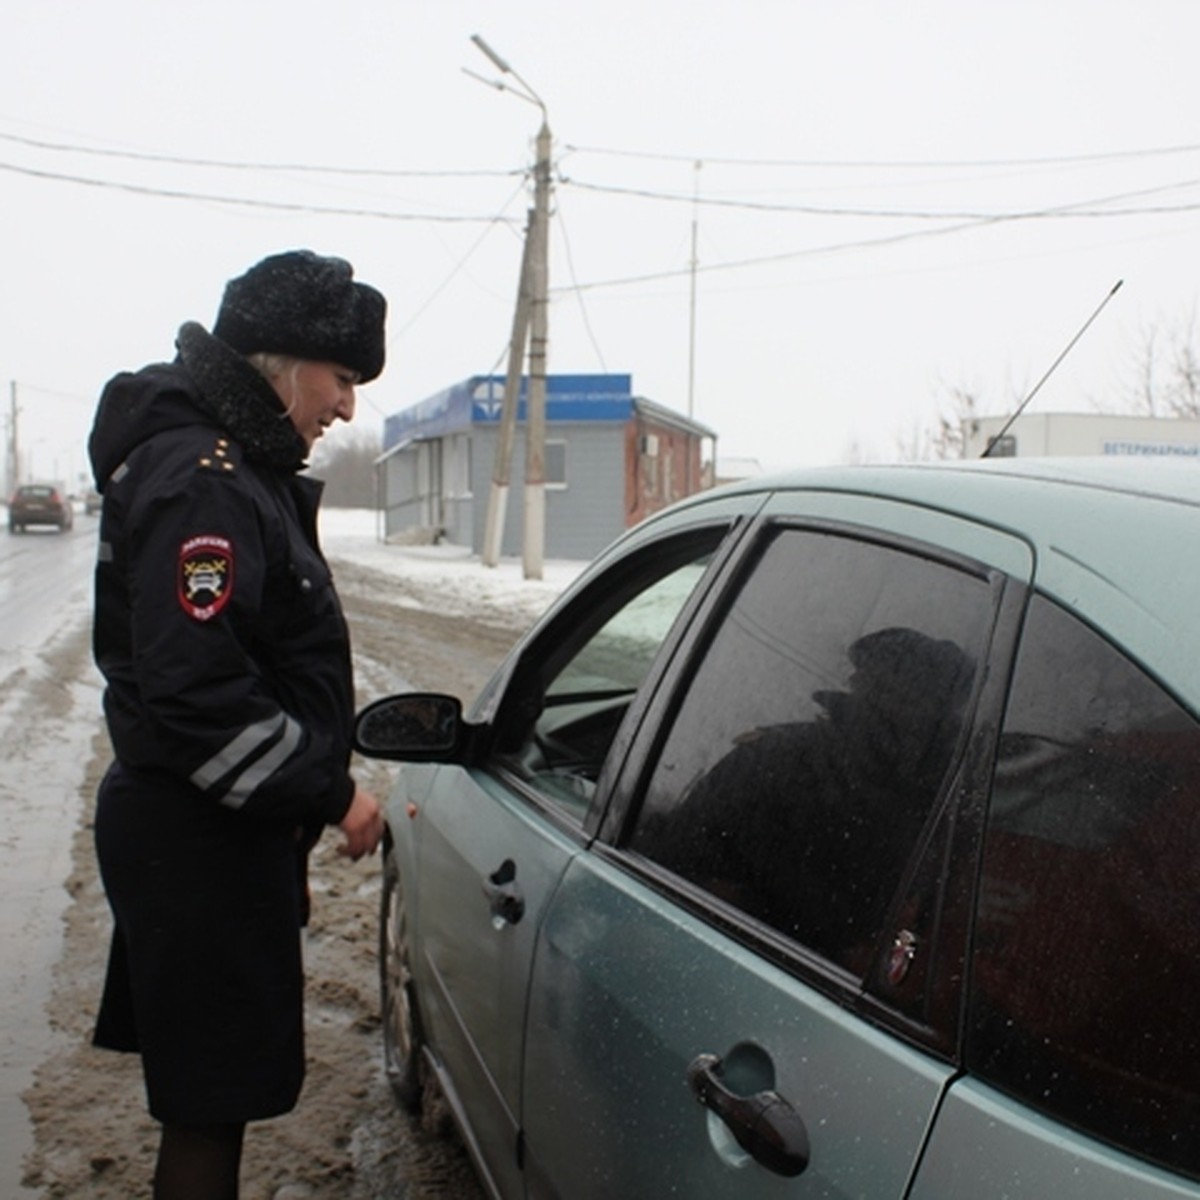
(1117, 540)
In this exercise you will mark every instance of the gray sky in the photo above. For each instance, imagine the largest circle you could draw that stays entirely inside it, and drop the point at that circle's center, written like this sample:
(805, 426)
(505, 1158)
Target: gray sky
(859, 246)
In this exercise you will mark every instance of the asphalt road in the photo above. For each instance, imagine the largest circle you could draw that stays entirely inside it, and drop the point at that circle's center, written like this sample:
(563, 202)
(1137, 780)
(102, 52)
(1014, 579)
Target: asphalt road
(50, 713)
(45, 591)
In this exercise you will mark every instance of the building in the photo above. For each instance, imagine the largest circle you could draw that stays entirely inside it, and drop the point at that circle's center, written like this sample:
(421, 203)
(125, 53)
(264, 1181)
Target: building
(1046, 434)
(611, 458)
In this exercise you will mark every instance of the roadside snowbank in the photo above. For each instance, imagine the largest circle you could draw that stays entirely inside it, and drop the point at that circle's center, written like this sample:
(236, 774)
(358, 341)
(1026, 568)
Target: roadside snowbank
(460, 582)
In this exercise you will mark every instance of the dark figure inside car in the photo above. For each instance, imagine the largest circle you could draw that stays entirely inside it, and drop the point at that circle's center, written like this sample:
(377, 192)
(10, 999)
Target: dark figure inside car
(863, 771)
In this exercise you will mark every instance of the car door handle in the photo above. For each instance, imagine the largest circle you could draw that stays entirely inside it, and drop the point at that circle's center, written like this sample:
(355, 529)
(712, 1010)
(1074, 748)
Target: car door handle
(504, 896)
(765, 1125)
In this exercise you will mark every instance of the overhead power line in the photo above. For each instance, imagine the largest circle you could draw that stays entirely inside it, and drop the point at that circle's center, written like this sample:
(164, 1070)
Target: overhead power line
(783, 256)
(250, 202)
(1093, 207)
(912, 235)
(877, 164)
(232, 165)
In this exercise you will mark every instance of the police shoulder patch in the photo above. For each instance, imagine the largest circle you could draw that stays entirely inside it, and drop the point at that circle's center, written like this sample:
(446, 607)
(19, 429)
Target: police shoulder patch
(205, 579)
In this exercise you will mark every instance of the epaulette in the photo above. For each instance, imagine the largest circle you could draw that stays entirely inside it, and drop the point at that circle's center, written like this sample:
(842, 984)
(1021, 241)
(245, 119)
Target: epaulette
(223, 457)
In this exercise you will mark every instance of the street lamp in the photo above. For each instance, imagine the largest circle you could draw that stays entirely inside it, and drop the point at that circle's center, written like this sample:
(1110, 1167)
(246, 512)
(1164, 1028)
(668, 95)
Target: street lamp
(530, 321)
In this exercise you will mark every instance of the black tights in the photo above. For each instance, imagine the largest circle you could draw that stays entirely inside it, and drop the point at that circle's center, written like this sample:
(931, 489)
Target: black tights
(198, 1162)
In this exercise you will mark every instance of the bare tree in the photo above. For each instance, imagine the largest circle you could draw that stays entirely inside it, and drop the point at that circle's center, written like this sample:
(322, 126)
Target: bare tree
(1164, 379)
(347, 465)
(947, 437)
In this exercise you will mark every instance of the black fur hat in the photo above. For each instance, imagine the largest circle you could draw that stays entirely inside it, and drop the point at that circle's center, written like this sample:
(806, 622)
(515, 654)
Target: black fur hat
(302, 304)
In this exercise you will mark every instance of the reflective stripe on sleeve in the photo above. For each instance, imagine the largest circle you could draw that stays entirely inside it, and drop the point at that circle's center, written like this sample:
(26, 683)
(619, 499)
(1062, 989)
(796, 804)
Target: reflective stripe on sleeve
(249, 742)
(244, 785)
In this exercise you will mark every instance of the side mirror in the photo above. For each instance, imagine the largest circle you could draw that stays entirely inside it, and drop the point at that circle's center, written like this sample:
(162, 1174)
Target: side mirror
(416, 727)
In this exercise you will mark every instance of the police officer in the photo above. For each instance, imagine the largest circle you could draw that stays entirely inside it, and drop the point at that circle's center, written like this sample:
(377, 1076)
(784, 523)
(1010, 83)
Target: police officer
(229, 700)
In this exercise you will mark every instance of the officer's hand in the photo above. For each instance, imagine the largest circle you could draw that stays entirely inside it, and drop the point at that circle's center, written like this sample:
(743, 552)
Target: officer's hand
(362, 825)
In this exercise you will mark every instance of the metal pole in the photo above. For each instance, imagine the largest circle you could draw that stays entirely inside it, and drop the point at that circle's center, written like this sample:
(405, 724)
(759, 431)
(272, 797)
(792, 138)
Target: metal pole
(534, 542)
(692, 304)
(493, 533)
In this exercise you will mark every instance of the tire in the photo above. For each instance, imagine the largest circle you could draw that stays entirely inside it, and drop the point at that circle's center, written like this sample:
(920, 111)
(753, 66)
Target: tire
(402, 1038)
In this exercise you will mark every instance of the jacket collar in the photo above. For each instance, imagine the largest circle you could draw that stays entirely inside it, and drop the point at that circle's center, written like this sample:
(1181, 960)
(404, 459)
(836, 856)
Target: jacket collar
(241, 400)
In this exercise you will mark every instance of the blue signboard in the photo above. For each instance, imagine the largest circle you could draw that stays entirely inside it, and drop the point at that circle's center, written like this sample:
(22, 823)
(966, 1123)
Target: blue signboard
(479, 400)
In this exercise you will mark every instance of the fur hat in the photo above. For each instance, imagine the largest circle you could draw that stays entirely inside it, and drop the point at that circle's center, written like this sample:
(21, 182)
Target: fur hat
(302, 304)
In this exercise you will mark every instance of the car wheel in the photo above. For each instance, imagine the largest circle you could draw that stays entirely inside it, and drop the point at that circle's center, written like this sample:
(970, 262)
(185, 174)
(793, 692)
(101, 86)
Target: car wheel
(402, 1040)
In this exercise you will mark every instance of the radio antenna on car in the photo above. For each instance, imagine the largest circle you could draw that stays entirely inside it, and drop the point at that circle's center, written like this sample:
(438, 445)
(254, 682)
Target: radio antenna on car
(995, 441)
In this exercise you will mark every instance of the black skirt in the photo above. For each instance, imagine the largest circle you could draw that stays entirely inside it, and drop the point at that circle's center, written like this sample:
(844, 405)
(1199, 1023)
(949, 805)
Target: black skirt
(205, 978)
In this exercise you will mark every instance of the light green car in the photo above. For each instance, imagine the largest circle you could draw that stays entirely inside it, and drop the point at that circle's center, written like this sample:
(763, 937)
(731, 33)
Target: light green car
(835, 835)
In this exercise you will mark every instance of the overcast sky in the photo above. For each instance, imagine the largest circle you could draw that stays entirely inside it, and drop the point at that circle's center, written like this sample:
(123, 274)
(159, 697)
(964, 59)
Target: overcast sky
(895, 200)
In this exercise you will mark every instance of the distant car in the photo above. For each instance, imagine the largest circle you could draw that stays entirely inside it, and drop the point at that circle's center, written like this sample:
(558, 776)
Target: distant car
(92, 503)
(835, 834)
(39, 504)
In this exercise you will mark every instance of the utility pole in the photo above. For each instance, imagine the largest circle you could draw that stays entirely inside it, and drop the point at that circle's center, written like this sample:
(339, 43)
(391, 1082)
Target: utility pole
(534, 542)
(14, 458)
(530, 320)
(493, 531)
(692, 301)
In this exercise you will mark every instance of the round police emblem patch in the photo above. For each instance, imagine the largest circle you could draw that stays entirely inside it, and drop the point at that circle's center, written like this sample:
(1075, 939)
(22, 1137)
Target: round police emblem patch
(205, 575)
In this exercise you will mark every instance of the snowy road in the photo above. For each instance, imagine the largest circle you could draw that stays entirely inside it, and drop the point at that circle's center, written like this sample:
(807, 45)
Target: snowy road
(49, 710)
(430, 614)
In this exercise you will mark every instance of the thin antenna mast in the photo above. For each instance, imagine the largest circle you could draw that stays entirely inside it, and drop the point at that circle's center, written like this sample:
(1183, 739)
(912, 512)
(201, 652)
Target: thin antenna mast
(1050, 371)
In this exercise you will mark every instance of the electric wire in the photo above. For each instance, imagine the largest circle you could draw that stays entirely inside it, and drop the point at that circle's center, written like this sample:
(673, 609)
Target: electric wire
(244, 201)
(1092, 207)
(787, 255)
(233, 165)
(889, 164)
(420, 311)
(578, 291)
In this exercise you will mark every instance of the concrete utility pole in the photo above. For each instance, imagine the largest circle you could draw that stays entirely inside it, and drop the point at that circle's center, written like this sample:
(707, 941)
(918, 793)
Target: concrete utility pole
(534, 543)
(14, 458)
(493, 530)
(535, 286)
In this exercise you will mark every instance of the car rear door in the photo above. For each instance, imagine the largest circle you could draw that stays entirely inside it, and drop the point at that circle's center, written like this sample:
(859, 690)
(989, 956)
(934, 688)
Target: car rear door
(749, 985)
(1081, 1044)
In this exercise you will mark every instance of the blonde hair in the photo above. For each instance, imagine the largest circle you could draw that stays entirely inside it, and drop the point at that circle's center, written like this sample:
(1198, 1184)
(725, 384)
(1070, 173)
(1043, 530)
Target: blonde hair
(274, 366)
(270, 365)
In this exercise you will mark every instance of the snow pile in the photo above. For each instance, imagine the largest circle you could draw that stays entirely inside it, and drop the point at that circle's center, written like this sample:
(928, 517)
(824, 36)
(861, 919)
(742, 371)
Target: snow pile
(449, 577)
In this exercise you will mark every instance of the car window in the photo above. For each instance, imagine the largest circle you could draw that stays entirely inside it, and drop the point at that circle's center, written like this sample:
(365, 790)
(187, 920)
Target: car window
(814, 740)
(1087, 947)
(567, 699)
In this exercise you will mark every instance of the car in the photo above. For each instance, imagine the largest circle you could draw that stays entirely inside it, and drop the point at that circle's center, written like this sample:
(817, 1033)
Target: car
(92, 502)
(40, 504)
(834, 834)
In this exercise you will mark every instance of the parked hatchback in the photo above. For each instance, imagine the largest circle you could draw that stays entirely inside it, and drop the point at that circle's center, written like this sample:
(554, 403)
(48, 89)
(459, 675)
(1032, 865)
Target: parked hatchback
(837, 834)
(39, 504)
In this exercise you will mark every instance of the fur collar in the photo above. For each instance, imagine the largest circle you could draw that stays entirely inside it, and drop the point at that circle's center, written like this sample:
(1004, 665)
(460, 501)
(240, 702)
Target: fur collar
(240, 399)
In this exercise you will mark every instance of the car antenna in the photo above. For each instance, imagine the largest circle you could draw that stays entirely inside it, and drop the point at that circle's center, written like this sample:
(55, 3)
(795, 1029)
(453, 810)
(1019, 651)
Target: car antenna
(995, 441)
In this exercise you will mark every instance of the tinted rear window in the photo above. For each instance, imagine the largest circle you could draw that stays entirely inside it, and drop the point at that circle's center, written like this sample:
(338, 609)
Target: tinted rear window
(1087, 959)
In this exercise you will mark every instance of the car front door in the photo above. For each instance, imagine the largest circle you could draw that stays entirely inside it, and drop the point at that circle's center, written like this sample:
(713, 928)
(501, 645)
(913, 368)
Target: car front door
(497, 837)
(749, 986)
